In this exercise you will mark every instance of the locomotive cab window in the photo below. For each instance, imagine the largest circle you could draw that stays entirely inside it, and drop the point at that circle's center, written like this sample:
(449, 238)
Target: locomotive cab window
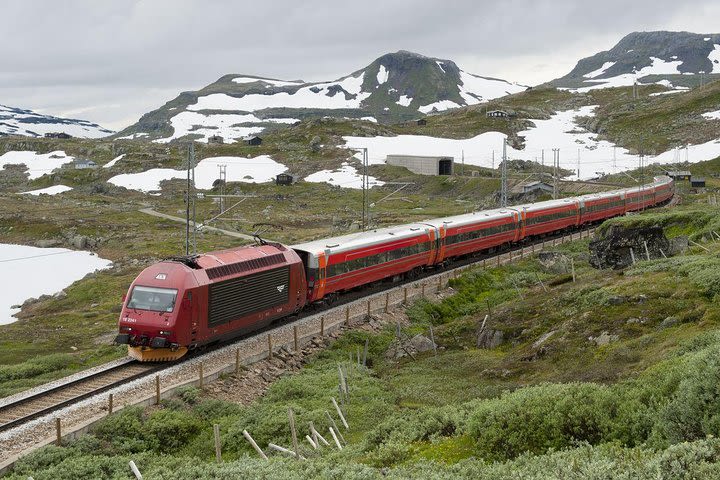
(153, 298)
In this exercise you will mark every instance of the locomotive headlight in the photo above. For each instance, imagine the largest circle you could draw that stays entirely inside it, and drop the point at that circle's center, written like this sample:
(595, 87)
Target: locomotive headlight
(165, 332)
(125, 329)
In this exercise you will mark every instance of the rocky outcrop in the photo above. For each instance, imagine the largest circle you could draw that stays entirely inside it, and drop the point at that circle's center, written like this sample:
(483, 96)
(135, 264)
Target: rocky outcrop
(617, 247)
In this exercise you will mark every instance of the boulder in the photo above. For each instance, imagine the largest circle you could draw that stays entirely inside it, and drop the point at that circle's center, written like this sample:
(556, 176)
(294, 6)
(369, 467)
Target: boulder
(488, 338)
(669, 322)
(613, 250)
(554, 262)
(604, 338)
(47, 243)
(421, 343)
(678, 245)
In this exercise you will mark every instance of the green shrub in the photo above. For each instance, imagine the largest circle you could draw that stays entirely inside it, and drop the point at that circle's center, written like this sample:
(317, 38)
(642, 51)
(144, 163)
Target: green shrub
(168, 430)
(535, 419)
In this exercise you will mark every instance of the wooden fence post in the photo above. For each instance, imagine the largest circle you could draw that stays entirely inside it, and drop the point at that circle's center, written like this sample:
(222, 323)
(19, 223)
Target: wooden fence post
(270, 352)
(423, 290)
(432, 339)
(157, 389)
(342, 418)
(291, 416)
(58, 432)
(255, 445)
(439, 286)
(365, 352)
(135, 471)
(332, 420)
(237, 361)
(572, 266)
(405, 295)
(110, 404)
(322, 326)
(497, 257)
(387, 302)
(216, 434)
(202, 379)
(368, 308)
(295, 337)
(347, 315)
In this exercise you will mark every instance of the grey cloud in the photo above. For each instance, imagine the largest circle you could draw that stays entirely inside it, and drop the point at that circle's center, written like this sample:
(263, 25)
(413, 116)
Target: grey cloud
(114, 60)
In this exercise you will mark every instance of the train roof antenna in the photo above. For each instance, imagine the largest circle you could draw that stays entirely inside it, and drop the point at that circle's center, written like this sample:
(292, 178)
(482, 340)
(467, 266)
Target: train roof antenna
(261, 228)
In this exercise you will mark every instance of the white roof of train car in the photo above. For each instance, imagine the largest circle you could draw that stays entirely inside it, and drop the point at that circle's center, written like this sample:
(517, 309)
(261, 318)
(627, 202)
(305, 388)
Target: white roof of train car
(362, 239)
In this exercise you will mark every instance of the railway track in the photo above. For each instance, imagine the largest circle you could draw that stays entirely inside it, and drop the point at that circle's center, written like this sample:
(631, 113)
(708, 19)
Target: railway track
(47, 401)
(52, 399)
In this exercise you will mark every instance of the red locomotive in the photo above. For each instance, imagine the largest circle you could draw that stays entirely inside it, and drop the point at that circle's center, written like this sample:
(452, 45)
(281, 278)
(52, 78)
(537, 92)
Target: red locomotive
(181, 304)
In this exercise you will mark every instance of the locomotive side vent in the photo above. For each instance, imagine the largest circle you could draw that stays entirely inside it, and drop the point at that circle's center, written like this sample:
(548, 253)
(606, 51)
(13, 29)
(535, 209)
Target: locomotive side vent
(235, 298)
(245, 266)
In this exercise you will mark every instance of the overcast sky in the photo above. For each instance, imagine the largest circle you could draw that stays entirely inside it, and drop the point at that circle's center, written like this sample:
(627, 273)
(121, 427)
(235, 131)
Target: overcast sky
(110, 61)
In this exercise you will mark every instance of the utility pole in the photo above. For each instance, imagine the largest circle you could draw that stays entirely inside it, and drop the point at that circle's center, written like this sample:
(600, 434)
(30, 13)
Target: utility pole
(556, 164)
(492, 171)
(187, 203)
(462, 170)
(194, 197)
(223, 179)
(578, 167)
(365, 192)
(614, 160)
(542, 158)
(503, 176)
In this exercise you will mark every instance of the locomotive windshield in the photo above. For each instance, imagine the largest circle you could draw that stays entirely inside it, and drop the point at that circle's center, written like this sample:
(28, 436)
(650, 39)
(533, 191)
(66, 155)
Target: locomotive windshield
(153, 298)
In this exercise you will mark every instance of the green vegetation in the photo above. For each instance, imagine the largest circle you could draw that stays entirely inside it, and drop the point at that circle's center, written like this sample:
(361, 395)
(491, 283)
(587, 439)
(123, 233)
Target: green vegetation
(549, 402)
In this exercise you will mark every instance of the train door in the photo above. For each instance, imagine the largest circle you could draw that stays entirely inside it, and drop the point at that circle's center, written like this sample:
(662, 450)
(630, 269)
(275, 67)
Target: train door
(581, 213)
(322, 273)
(521, 219)
(441, 233)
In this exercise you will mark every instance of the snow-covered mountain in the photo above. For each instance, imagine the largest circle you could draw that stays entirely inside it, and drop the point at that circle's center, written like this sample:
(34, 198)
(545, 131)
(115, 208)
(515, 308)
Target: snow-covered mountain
(395, 87)
(673, 59)
(17, 121)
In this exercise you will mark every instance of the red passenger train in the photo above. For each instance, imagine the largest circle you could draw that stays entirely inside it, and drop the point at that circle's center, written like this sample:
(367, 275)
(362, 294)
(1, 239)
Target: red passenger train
(181, 304)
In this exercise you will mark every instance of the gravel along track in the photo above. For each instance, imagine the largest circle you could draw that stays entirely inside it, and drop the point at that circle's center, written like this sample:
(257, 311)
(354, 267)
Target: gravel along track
(134, 382)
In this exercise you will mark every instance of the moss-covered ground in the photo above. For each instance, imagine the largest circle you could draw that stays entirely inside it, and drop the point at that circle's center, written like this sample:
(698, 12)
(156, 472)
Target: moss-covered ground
(549, 402)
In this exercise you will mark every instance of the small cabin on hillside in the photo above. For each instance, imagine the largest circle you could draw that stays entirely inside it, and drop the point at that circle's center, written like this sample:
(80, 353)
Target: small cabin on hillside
(253, 140)
(285, 179)
(61, 135)
(82, 164)
(679, 175)
(497, 114)
(529, 187)
(421, 121)
(697, 182)
(216, 140)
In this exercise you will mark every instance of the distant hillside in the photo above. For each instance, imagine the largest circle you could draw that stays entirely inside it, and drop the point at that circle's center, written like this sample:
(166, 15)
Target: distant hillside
(395, 87)
(17, 121)
(674, 59)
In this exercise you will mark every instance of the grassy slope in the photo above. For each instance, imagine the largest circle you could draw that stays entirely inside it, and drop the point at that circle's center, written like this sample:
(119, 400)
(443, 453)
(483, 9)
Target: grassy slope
(408, 412)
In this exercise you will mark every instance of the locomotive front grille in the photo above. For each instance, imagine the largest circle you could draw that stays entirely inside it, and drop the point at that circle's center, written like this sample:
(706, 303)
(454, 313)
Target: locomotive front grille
(238, 297)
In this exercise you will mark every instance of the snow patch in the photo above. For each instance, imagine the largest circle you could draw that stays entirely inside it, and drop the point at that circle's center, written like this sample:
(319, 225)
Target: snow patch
(38, 164)
(311, 96)
(657, 67)
(54, 190)
(248, 170)
(41, 271)
(369, 119)
(404, 101)
(277, 83)
(559, 131)
(440, 66)
(600, 71)
(225, 125)
(382, 75)
(476, 89)
(17, 121)
(112, 162)
(712, 115)
(346, 177)
(134, 136)
(714, 58)
(438, 106)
